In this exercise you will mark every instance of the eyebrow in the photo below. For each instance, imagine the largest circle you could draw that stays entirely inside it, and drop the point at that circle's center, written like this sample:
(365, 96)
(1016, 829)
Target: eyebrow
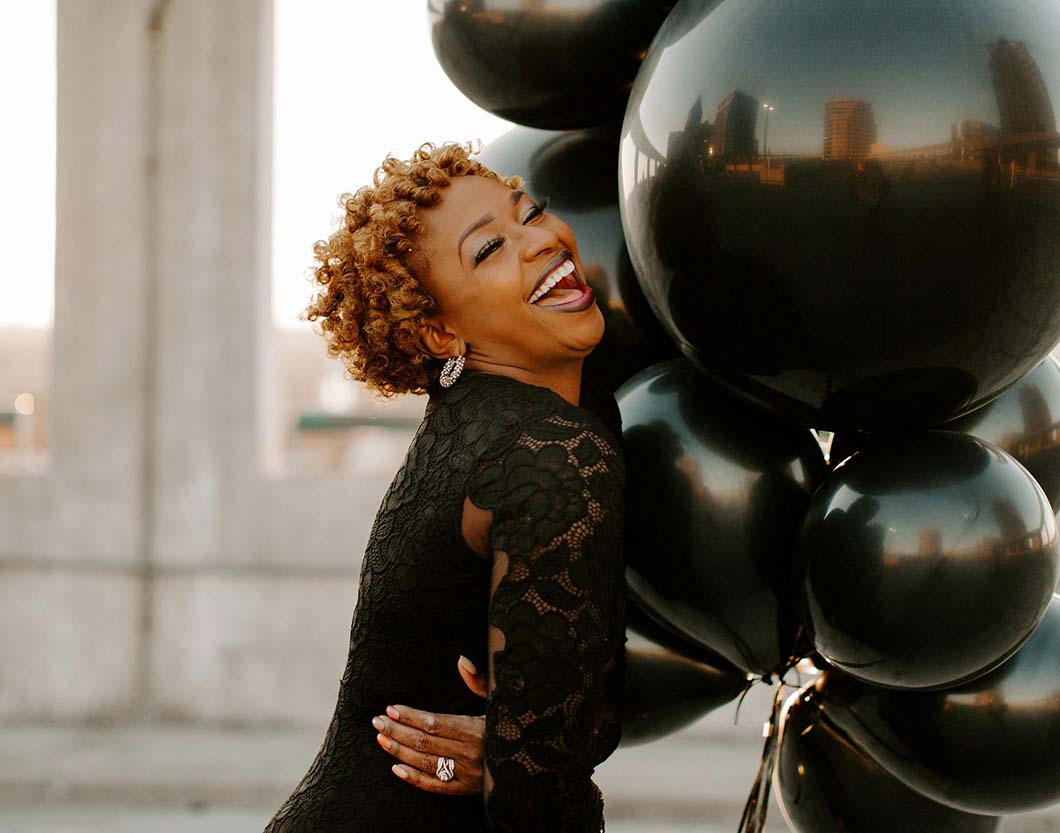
(516, 195)
(475, 226)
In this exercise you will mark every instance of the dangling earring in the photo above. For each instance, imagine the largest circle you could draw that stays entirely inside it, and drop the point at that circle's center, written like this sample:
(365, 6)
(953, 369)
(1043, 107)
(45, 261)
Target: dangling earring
(451, 371)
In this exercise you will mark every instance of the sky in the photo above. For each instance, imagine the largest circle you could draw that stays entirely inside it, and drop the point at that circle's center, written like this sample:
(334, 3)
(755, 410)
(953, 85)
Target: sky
(329, 52)
(332, 126)
(27, 163)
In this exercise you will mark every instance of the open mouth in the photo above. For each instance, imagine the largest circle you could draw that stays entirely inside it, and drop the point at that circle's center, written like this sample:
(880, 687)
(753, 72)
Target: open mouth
(561, 288)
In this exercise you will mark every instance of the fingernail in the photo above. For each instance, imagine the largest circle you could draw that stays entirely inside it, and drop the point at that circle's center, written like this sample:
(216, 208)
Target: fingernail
(393, 712)
(399, 771)
(378, 723)
(384, 741)
(468, 664)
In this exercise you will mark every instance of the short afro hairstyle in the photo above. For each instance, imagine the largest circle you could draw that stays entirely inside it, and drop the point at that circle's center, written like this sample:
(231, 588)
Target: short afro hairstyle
(370, 303)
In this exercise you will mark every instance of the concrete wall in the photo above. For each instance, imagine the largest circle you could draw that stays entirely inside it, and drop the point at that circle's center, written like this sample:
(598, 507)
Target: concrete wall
(164, 566)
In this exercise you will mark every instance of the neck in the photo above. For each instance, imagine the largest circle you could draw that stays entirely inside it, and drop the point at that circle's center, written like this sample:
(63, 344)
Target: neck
(564, 379)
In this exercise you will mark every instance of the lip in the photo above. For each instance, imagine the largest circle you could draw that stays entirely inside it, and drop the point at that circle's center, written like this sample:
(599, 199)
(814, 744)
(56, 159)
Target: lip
(584, 301)
(550, 267)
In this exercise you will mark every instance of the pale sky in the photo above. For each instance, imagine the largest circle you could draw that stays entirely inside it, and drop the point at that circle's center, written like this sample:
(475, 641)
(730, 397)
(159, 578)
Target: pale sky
(27, 163)
(334, 122)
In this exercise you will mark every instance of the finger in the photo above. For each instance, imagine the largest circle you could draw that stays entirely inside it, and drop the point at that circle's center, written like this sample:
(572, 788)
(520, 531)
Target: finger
(476, 682)
(432, 783)
(418, 760)
(420, 741)
(456, 726)
(464, 770)
(467, 770)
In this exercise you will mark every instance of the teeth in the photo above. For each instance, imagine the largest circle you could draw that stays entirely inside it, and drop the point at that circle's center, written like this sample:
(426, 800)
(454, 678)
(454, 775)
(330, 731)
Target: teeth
(558, 274)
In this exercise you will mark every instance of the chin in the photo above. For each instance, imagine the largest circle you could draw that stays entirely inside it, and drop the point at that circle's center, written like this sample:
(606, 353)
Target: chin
(594, 329)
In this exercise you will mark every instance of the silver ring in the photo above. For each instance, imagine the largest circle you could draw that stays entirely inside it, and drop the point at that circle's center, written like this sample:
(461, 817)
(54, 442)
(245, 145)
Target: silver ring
(444, 769)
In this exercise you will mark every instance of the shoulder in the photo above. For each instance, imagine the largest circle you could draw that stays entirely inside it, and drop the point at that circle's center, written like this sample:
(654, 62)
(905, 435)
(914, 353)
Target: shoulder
(546, 456)
(491, 412)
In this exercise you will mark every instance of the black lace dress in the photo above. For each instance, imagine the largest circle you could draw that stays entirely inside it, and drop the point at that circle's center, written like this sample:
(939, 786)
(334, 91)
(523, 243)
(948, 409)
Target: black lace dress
(552, 474)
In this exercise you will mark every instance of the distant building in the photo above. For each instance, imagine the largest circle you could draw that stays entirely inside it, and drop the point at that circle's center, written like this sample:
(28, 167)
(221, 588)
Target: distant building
(849, 128)
(1022, 98)
(971, 129)
(733, 136)
(966, 136)
(930, 543)
(691, 145)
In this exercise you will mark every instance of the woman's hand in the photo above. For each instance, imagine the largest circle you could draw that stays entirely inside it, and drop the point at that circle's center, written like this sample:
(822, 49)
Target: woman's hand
(418, 739)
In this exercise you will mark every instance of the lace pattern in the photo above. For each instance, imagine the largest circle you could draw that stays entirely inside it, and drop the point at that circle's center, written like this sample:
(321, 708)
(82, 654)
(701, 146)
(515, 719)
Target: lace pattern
(552, 475)
(555, 620)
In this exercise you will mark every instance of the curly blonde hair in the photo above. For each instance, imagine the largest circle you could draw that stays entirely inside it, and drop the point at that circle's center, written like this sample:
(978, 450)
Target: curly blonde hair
(371, 305)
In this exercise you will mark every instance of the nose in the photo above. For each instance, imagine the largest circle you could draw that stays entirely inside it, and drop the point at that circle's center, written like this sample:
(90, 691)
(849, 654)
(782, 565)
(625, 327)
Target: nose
(539, 240)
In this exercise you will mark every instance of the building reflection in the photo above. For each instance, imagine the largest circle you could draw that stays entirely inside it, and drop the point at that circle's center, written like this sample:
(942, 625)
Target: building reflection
(733, 137)
(1022, 98)
(1023, 148)
(849, 128)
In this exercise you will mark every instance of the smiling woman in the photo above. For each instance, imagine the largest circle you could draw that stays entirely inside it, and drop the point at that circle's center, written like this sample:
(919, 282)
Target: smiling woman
(492, 309)
(500, 539)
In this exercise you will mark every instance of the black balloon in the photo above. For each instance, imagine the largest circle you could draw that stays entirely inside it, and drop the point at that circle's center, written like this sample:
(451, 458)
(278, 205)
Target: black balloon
(557, 66)
(827, 783)
(576, 171)
(649, 626)
(1025, 422)
(846, 210)
(716, 492)
(989, 746)
(926, 560)
(666, 689)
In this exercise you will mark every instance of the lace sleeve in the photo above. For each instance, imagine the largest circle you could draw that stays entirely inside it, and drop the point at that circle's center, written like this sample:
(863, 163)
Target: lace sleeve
(556, 618)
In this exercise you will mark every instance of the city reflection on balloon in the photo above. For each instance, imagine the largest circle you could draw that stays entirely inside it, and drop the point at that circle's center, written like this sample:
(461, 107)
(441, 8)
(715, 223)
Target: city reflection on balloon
(846, 210)
(826, 783)
(926, 560)
(557, 66)
(989, 746)
(576, 171)
(716, 492)
(1025, 422)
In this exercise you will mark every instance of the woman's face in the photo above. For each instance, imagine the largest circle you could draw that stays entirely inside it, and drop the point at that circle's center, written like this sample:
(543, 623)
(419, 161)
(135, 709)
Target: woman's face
(507, 277)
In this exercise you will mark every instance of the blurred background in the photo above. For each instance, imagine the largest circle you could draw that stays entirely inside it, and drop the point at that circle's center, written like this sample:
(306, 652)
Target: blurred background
(187, 481)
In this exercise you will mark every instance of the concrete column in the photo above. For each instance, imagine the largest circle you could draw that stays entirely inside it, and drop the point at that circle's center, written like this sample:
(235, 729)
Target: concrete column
(165, 566)
(71, 549)
(255, 573)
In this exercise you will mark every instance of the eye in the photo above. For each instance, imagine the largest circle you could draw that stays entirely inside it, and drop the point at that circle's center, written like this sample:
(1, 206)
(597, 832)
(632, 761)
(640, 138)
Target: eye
(536, 211)
(488, 248)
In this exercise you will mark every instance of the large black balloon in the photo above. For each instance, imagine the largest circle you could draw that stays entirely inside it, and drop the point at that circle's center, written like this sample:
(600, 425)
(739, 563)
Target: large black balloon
(716, 492)
(989, 746)
(926, 560)
(670, 683)
(557, 66)
(827, 783)
(880, 248)
(576, 171)
(1025, 422)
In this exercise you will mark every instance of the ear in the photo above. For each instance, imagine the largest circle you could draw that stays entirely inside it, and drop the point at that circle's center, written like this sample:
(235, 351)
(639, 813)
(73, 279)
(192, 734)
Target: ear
(438, 341)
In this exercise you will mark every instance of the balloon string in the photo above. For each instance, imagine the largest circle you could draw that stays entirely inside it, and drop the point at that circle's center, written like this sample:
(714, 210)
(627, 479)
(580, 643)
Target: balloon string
(743, 696)
(755, 810)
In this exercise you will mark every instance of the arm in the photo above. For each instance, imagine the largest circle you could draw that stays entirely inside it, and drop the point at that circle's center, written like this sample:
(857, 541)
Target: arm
(555, 620)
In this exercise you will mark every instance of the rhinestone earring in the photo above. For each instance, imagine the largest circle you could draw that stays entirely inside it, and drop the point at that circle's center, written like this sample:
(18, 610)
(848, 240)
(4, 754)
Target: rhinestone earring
(451, 371)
